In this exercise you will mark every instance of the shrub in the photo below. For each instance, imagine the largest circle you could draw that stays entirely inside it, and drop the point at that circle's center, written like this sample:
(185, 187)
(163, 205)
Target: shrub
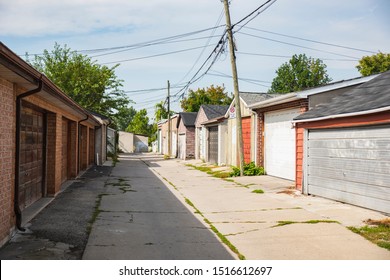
(250, 169)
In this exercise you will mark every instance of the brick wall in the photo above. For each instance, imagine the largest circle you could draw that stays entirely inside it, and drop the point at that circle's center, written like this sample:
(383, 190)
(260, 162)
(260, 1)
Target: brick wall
(7, 159)
(190, 142)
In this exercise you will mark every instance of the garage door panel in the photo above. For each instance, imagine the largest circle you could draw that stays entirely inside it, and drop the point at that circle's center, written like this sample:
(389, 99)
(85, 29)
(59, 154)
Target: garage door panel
(351, 153)
(355, 199)
(352, 176)
(280, 143)
(373, 166)
(366, 190)
(351, 144)
(353, 133)
(350, 165)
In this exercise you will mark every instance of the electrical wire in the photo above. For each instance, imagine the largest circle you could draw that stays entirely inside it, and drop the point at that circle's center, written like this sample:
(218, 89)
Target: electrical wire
(308, 40)
(295, 45)
(285, 56)
(155, 55)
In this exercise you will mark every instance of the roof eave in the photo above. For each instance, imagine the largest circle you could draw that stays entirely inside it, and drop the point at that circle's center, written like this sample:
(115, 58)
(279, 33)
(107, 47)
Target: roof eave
(345, 115)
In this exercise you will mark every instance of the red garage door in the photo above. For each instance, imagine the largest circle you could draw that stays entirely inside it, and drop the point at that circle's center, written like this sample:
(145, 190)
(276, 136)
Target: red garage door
(246, 135)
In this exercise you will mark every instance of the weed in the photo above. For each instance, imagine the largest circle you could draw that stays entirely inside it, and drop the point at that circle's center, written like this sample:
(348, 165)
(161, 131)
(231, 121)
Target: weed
(216, 231)
(258, 191)
(96, 212)
(250, 169)
(166, 157)
(377, 231)
(284, 223)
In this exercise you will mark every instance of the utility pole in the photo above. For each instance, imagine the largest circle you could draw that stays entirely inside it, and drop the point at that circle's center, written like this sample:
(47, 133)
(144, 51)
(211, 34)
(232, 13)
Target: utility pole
(169, 120)
(240, 146)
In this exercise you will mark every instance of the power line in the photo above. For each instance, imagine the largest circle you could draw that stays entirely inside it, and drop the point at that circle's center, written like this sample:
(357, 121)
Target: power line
(285, 56)
(156, 55)
(164, 39)
(270, 2)
(208, 41)
(295, 45)
(308, 40)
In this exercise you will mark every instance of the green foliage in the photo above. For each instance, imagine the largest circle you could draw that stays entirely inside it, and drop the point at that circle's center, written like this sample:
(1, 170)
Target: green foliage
(93, 86)
(374, 64)
(160, 112)
(299, 73)
(140, 123)
(250, 169)
(123, 117)
(211, 95)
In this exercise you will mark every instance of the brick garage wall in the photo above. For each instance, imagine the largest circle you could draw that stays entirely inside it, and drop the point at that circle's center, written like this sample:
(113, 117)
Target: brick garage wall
(7, 159)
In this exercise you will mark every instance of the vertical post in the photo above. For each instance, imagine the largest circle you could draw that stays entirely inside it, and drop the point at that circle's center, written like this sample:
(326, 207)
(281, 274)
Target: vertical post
(169, 121)
(240, 145)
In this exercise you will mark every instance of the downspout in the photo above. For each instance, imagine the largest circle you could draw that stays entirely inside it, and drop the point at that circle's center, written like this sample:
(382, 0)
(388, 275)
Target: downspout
(18, 211)
(79, 137)
(109, 123)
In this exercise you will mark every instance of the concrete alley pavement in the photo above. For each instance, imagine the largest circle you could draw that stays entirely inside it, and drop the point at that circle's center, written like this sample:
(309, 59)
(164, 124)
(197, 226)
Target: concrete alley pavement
(252, 222)
(138, 217)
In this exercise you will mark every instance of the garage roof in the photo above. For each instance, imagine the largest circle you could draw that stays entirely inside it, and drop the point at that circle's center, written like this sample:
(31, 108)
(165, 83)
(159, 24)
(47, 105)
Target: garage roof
(188, 118)
(371, 97)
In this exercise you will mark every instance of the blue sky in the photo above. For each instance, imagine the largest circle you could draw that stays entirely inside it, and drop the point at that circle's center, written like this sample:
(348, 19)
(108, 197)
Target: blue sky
(32, 26)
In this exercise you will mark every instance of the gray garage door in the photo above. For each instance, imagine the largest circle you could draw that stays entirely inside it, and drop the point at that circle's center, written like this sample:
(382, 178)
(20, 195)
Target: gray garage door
(351, 165)
(213, 144)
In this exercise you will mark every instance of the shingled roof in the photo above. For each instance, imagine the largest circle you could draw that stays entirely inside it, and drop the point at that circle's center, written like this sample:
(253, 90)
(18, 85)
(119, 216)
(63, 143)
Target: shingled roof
(253, 97)
(214, 111)
(188, 118)
(372, 95)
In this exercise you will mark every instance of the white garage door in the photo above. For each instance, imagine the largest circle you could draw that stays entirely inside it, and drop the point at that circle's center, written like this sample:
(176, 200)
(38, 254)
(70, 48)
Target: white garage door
(351, 165)
(279, 137)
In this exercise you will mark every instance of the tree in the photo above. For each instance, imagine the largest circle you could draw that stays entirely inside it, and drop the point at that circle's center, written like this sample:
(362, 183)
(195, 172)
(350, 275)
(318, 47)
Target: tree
(123, 117)
(374, 64)
(211, 95)
(93, 86)
(299, 73)
(160, 112)
(140, 123)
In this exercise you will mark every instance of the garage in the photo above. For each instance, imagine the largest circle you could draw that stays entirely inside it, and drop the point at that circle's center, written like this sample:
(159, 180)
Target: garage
(279, 138)
(351, 165)
(213, 144)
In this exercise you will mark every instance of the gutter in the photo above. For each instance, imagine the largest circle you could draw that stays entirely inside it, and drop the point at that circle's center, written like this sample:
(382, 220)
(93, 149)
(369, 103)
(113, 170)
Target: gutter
(18, 211)
(373, 111)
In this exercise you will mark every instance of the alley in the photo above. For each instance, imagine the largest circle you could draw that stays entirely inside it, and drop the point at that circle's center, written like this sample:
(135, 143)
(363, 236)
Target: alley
(138, 217)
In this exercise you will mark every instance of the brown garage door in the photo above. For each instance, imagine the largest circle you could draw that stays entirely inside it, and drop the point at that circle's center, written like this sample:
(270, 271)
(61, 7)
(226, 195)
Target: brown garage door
(246, 136)
(31, 156)
(213, 144)
(65, 144)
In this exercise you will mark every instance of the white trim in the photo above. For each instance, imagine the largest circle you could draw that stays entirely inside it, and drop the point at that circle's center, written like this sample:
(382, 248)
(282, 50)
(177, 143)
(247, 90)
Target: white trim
(275, 100)
(335, 85)
(305, 161)
(373, 111)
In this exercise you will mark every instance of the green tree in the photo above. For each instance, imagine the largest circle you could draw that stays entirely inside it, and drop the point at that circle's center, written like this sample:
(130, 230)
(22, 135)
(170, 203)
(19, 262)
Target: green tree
(93, 86)
(299, 73)
(123, 117)
(374, 64)
(140, 123)
(211, 95)
(160, 112)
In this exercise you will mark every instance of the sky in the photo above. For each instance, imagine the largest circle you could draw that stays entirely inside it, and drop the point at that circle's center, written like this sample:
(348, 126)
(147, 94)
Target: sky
(159, 40)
